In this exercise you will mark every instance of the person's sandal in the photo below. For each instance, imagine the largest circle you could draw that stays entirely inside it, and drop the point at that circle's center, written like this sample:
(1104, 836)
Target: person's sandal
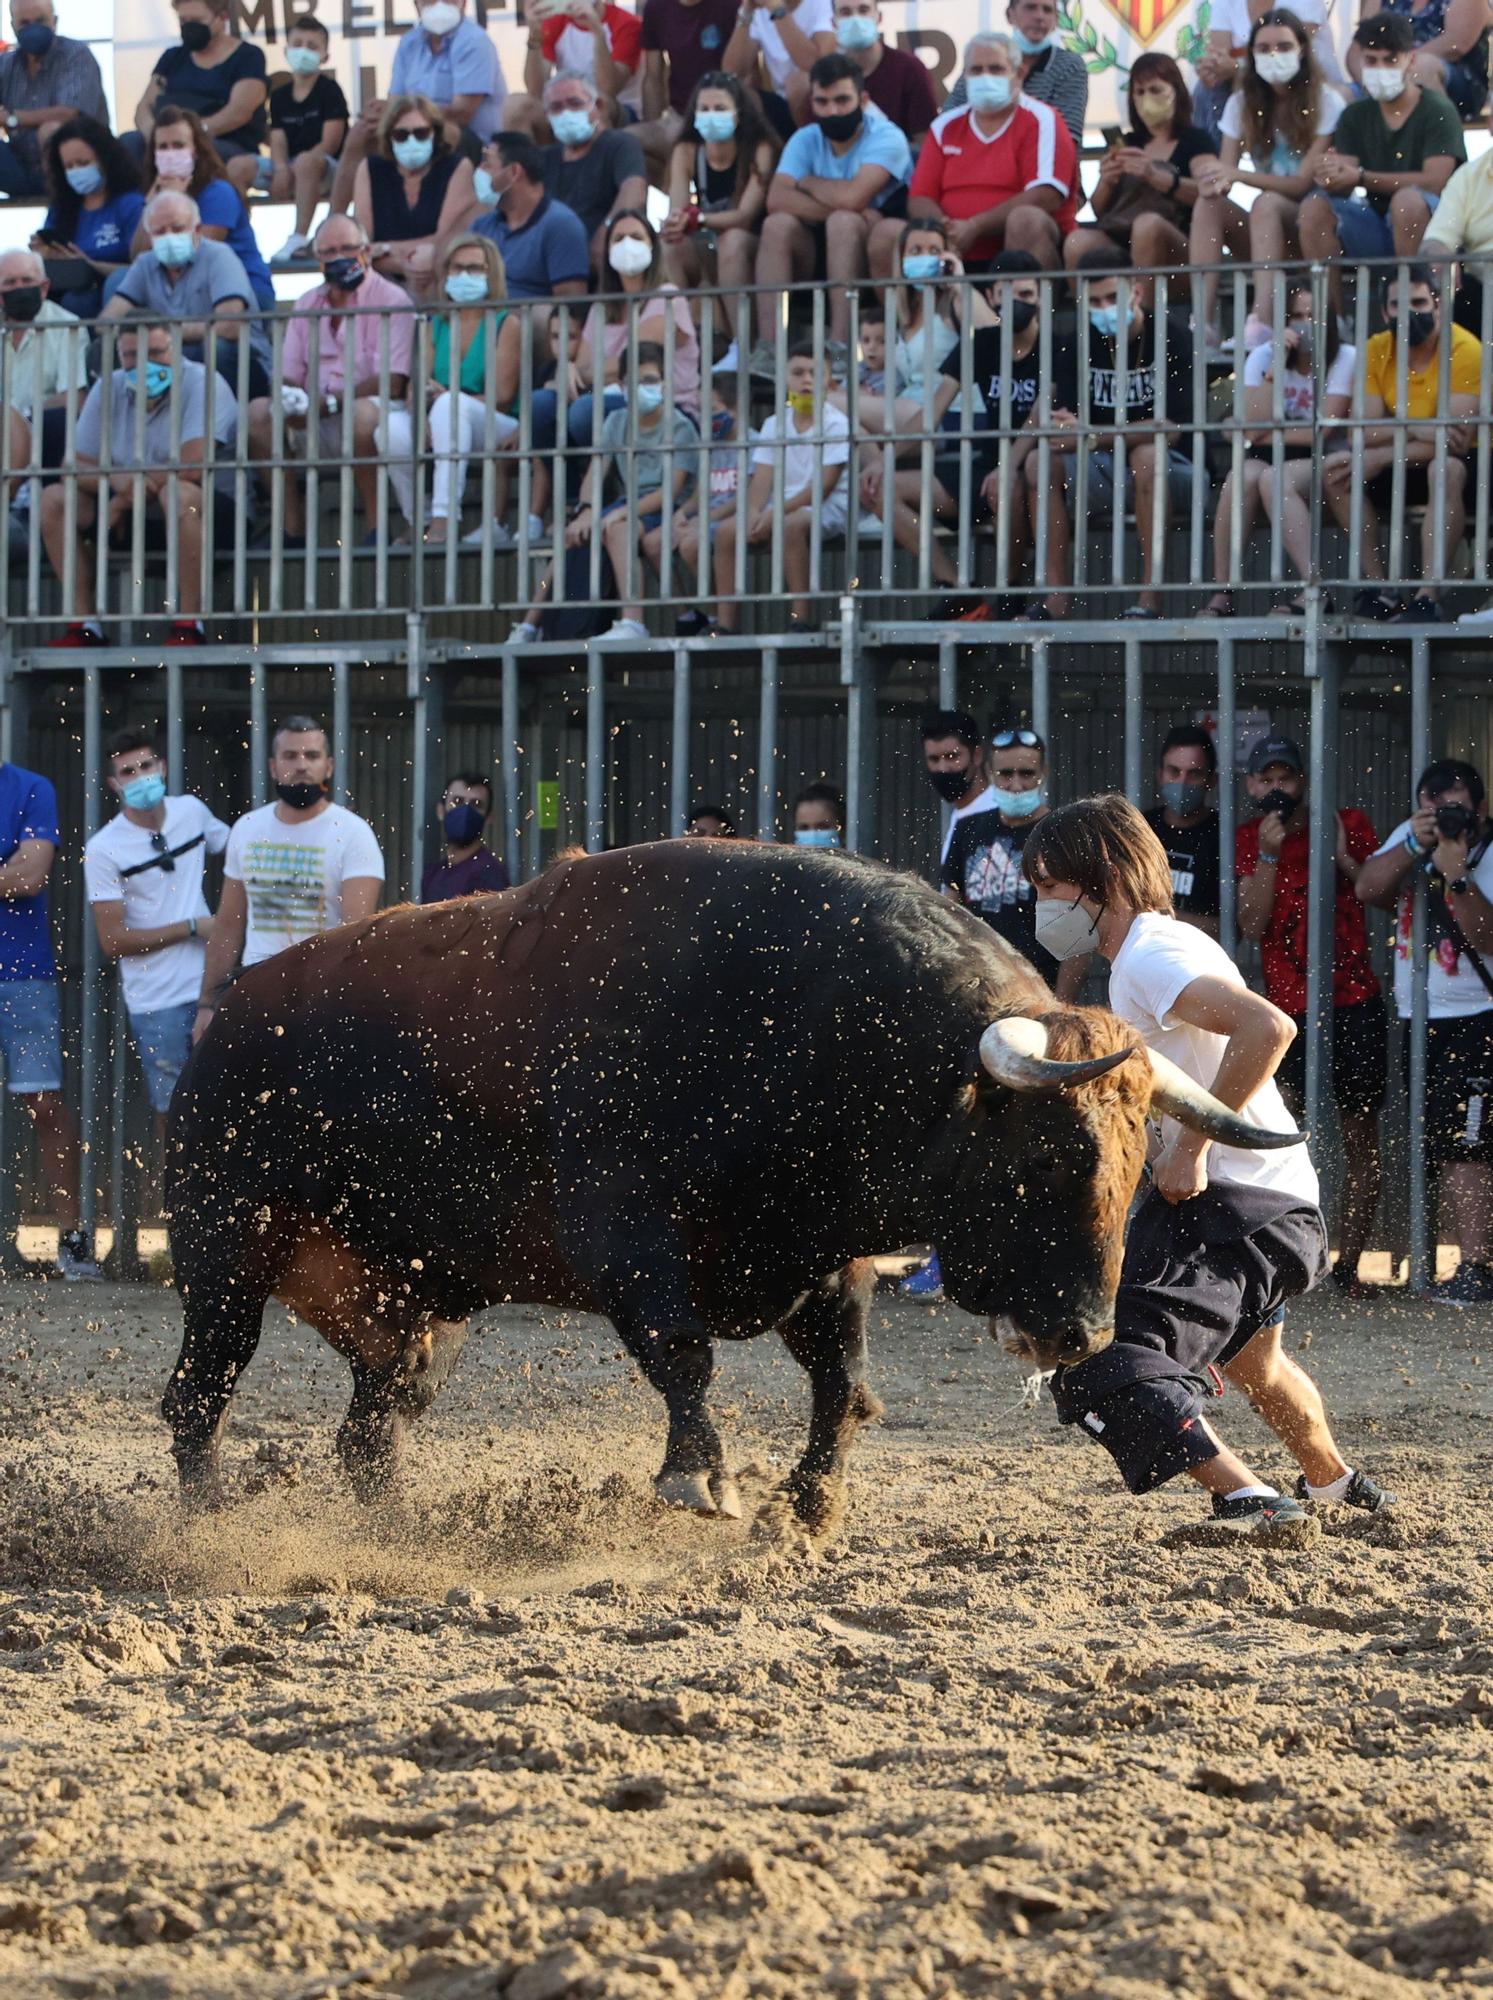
(1220, 605)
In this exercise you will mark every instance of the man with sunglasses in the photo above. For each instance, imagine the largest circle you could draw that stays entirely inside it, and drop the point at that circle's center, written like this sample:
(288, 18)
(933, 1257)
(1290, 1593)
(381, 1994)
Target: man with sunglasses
(143, 872)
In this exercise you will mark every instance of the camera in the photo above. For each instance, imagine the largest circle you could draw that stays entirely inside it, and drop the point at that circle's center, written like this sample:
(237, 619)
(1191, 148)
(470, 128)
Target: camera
(1455, 821)
(1277, 802)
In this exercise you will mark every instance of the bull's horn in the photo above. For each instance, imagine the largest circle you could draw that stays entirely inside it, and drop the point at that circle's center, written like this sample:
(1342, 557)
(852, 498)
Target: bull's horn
(1174, 1092)
(1014, 1051)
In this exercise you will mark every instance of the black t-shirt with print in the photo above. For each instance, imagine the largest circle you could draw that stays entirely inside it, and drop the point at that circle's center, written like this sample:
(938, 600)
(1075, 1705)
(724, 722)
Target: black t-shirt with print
(984, 865)
(1192, 856)
(302, 122)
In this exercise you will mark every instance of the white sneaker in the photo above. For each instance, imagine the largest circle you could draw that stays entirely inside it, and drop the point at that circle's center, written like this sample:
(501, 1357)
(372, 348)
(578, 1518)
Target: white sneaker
(523, 633)
(1477, 621)
(75, 1264)
(291, 248)
(626, 628)
(503, 537)
(536, 531)
(727, 363)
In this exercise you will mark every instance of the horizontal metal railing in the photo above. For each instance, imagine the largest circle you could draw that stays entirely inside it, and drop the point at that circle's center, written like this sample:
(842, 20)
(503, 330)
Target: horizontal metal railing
(365, 561)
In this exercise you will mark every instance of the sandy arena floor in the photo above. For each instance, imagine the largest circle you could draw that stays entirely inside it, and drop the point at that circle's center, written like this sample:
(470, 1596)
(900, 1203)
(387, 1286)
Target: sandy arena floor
(540, 1739)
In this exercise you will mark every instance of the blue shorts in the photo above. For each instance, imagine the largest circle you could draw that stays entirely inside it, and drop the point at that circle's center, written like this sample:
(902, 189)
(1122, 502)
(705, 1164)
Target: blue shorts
(1179, 480)
(30, 1036)
(164, 1039)
(1362, 230)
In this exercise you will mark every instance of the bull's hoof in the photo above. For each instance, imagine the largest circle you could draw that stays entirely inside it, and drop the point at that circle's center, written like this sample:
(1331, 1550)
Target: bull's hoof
(818, 1503)
(426, 1365)
(202, 1488)
(865, 1405)
(709, 1493)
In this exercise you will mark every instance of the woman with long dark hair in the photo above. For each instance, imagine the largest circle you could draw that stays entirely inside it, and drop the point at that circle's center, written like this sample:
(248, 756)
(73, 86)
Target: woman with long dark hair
(96, 203)
(718, 175)
(1147, 185)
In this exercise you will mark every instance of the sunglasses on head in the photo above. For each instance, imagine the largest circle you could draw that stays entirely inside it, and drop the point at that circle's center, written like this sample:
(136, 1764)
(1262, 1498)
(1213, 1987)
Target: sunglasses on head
(1008, 739)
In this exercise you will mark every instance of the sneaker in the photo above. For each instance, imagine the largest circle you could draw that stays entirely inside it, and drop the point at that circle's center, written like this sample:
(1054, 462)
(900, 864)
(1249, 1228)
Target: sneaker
(1363, 1492)
(75, 1263)
(763, 360)
(1421, 611)
(626, 628)
(1471, 1285)
(1258, 332)
(83, 632)
(868, 528)
(926, 1284)
(689, 624)
(727, 365)
(1271, 1518)
(1381, 605)
(186, 632)
(1478, 621)
(293, 246)
(523, 633)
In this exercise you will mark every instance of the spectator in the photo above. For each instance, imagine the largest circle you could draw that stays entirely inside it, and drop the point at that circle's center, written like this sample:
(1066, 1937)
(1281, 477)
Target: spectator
(1003, 175)
(710, 822)
(1047, 73)
(1451, 48)
(899, 83)
(93, 188)
(1462, 225)
(1448, 840)
(45, 369)
(800, 472)
(819, 817)
(293, 869)
(1308, 426)
(1110, 297)
(188, 276)
(594, 171)
(1399, 145)
(1222, 64)
(1443, 495)
(30, 1031)
(186, 162)
(462, 414)
(589, 38)
(871, 374)
(1272, 864)
(636, 304)
(774, 46)
(176, 398)
(682, 40)
(927, 305)
(1281, 115)
(447, 61)
(655, 456)
(727, 457)
(46, 80)
(1147, 186)
(837, 177)
(982, 868)
(1186, 824)
(411, 191)
(323, 324)
(718, 179)
(143, 874)
(542, 243)
(955, 765)
(212, 74)
(469, 867)
(308, 125)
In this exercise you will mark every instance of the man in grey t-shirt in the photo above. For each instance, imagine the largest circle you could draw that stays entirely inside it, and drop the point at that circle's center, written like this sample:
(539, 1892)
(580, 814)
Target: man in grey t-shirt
(165, 465)
(191, 277)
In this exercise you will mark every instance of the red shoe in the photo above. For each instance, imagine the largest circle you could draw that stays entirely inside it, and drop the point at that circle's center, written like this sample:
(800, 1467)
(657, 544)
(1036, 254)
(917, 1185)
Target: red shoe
(82, 632)
(185, 632)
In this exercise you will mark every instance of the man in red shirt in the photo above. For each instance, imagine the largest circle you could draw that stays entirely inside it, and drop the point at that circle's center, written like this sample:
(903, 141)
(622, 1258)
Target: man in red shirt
(899, 83)
(591, 37)
(1271, 863)
(1002, 174)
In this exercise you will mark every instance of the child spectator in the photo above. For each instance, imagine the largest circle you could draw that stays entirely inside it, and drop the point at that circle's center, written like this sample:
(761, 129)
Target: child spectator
(727, 458)
(872, 372)
(819, 816)
(308, 123)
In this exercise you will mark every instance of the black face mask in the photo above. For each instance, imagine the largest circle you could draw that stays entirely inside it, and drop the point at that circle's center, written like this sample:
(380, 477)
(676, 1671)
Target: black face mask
(346, 273)
(1277, 802)
(23, 303)
(951, 785)
(195, 36)
(1420, 327)
(842, 125)
(1021, 313)
(300, 796)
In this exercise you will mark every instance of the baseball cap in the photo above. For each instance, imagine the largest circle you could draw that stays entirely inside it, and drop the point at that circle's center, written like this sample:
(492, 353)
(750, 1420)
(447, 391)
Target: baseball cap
(1275, 750)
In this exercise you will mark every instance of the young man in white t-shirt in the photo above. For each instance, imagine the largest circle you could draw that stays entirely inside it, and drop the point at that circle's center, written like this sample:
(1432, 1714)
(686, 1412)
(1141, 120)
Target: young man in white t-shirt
(144, 873)
(292, 869)
(1225, 1234)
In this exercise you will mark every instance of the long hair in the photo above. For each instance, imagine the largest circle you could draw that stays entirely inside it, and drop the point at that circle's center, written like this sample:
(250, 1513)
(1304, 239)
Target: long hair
(1154, 67)
(613, 296)
(207, 162)
(121, 175)
(1104, 847)
(1291, 116)
(1326, 325)
(752, 130)
(910, 297)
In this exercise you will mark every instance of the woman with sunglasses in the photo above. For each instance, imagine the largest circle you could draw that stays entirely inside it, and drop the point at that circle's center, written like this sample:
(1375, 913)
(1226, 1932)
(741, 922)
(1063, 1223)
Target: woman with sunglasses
(411, 191)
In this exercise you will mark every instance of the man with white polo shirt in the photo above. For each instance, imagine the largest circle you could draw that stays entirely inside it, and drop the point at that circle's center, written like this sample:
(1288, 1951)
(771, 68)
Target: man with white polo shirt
(143, 872)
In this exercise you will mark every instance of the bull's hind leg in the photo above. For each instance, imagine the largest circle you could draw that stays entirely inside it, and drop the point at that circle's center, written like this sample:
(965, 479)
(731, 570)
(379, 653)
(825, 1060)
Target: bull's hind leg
(826, 1335)
(386, 1400)
(222, 1332)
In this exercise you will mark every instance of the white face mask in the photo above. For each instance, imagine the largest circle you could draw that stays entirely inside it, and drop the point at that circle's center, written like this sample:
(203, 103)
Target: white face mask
(1066, 929)
(629, 257)
(440, 17)
(1383, 84)
(1282, 68)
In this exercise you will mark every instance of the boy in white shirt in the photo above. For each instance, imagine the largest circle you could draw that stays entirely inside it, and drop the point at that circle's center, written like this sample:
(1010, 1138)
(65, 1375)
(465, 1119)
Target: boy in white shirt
(1226, 1234)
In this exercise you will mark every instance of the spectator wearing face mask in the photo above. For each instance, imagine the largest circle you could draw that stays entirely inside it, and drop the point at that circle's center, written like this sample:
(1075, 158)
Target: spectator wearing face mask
(211, 73)
(186, 275)
(542, 242)
(186, 161)
(819, 816)
(899, 83)
(411, 192)
(954, 763)
(682, 40)
(594, 171)
(1048, 73)
(1186, 824)
(308, 126)
(772, 49)
(1148, 182)
(1451, 48)
(590, 38)
(95, 207)
(45, 367)
(468, 867)
(1221, 64)
(45, 80)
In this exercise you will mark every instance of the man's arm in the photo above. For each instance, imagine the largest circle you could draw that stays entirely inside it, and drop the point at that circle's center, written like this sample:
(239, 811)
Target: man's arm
(223, 949)
(785, 196)
(116, 940)
(655, 85)
(145, 110)
(26, 872)
(360, 897)
(1382, 876)
(633, 193)
(857, 194)
(1257, 898)
(1258, 1036)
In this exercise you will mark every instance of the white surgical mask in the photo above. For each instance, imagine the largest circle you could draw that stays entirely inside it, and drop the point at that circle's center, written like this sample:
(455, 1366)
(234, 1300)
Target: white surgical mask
(629, 257)
(303, 62)
(856, 32)
(440, 17)
(989, 93)
(1383, 84)
(1282, 68)
(1066, 929)
(1018, 805)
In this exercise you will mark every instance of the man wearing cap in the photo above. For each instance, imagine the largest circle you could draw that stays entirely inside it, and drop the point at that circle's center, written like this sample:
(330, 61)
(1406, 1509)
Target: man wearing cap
(1271, 861)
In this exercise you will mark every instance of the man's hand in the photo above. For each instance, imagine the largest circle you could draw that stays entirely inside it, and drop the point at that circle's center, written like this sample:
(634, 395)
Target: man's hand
(1423, 826)
(759, 527)
(1345, 861)
(1450, 857)
(1272, 833)
(119, 508)
(1337, 172)
(201, 1022)
(369, 116)
(873, 480)
(1178, 1170)
(964, 236)
(578, 530)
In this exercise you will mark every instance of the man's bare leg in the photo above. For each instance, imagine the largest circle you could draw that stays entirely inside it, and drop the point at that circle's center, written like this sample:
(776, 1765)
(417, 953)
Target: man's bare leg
(1285, 1397)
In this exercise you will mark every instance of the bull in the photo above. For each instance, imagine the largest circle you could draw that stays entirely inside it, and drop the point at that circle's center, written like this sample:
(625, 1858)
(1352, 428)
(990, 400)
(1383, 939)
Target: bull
(694, 1086)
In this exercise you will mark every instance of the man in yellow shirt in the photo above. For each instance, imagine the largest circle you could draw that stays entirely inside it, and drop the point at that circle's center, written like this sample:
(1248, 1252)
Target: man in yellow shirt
(1412, 440)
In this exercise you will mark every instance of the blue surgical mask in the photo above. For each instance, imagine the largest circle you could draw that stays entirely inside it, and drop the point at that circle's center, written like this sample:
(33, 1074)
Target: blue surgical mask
(715, 127)
(1018, 805)
(483, 188)
(413, 154)
(157, 378)
(989, 93)
(144, 794)
(922, 269)
(85, 180)
(816, 836)
(175, 249)
(466, 288)
(572, 128)
(303, 62)
(1105, 320)
(1030, 48)
(649, 396)
(856, 32)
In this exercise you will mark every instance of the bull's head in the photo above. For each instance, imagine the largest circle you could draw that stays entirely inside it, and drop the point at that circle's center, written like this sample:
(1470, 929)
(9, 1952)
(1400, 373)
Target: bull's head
(1062, 1112)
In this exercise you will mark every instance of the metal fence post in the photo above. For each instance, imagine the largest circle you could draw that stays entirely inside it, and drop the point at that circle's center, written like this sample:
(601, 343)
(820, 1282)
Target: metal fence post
(1422, 1243)
(679, 748)
(1135, 717)
(15, 716)
(596, 749)
(1321, 666)
(513, 857)
(858, 676)
(425, 690)
(1223, 743)
(767, 745)
(92, 778)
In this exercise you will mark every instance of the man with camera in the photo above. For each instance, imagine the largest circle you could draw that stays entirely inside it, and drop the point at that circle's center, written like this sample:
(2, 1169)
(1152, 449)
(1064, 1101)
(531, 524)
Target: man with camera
(1448, 838)
(1271, 861)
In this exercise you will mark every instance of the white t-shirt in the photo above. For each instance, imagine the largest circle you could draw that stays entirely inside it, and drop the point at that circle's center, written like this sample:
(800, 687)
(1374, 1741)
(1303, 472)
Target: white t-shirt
(1298, 394)
(293, 872)
(1158, 961)
(155, 896)
(1452, 987)
(810, 17)
(793, 464)
(1232, 17)
(1280, 159)
(983, 804)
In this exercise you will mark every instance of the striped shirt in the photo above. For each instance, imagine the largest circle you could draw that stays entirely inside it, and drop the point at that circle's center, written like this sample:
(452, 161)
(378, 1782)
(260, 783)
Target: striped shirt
(67, 74)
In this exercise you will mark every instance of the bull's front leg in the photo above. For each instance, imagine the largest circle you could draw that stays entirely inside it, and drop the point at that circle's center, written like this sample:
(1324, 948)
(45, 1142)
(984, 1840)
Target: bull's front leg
(826, 1335)
(678, 1358)
(221, 1333)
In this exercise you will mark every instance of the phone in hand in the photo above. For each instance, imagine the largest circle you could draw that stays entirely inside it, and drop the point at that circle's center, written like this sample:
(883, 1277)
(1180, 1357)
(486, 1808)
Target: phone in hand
(1114, 137)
